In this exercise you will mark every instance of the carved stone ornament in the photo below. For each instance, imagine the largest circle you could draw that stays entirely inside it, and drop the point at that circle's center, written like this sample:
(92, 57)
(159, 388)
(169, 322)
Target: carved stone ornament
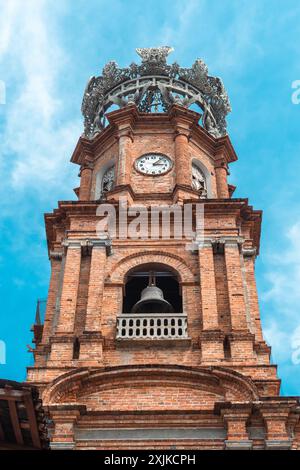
(198, 181)
(153, 86)
(108, 179)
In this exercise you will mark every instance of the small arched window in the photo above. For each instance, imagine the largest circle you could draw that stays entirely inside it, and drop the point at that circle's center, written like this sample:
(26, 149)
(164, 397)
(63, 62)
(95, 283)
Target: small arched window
(198, 181)
(108, 180)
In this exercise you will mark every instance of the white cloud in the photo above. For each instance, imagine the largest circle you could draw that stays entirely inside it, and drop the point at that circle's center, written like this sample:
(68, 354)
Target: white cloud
(296, 346)
(281, 303)
(280, 341)
(8, 12)
(285, 275)
(37, 139)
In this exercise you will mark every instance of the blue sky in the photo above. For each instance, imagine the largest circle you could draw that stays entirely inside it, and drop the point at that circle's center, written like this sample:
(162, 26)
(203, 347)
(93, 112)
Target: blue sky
(49, 49)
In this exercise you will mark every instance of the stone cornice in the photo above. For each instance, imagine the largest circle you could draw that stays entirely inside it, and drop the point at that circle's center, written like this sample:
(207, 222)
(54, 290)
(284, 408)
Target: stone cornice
(59, 219)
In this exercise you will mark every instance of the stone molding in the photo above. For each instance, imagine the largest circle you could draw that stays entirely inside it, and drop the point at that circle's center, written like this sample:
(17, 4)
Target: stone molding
(88, 244)
(222, 240)
(62, 445)
(238, 445)
(278, 445)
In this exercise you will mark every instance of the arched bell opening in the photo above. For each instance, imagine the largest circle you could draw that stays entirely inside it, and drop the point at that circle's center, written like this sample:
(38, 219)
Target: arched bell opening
(152, 288)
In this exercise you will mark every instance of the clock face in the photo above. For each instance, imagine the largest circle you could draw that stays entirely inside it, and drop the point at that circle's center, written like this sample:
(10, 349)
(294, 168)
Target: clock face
(153, 164)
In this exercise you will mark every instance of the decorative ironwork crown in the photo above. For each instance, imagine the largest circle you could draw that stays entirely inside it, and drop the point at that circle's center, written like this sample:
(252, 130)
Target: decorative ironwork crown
(153, 86)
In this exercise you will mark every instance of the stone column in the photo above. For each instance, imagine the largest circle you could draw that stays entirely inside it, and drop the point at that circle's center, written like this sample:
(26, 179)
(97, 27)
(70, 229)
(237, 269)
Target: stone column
(124, 157)
(85, 183)
(241, 339)
(62, 341)
(182, 163)
(70, 287)
(235, 418)
(211, 337)
(221, 180)
(91, 340)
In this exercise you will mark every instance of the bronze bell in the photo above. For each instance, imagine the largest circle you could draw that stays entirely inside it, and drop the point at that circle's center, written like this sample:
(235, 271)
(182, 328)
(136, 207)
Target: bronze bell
(152, 300)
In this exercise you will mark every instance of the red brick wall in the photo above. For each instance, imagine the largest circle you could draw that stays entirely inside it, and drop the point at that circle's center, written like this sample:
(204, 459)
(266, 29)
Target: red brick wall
(218, 290)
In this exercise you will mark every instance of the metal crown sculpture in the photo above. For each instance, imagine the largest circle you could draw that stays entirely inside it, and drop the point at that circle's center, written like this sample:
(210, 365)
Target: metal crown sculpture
(154, 86)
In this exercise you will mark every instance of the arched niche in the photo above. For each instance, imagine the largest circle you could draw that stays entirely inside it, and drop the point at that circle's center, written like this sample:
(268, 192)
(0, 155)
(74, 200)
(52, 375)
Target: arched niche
(206, 174)
(102, 172)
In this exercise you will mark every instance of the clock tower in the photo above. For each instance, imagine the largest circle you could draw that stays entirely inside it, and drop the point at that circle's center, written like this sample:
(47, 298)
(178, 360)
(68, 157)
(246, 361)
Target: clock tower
(152, 335)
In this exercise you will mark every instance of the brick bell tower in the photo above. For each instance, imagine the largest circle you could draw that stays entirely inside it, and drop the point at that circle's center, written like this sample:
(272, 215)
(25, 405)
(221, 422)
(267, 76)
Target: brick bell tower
(156, 341)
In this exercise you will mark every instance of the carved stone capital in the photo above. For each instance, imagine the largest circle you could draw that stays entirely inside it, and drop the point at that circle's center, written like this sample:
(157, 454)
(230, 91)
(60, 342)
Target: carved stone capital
(88, 244)
(217, 243)
(99, 243)
(56, 255)
(86, 166)
(68, 243)
(227, 240)
(127, 132)
(179, 131)
(221, 163)
(249, 252)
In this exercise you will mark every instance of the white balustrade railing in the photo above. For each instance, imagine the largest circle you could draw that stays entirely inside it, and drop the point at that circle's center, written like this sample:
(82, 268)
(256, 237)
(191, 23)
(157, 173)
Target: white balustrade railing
(151, 326)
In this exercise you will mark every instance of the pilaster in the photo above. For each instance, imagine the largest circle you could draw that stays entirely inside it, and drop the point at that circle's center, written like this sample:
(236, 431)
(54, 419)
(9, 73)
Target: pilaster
(70, 287)
(91, 340)
(275, 416)
(249, 255)
(221, 180)
(183, 122)
(63, 338)
(56, 265)
(65, 419)
(85, 174)
(124, 157)
(211, 338)
(182, 169)
(235, 417)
